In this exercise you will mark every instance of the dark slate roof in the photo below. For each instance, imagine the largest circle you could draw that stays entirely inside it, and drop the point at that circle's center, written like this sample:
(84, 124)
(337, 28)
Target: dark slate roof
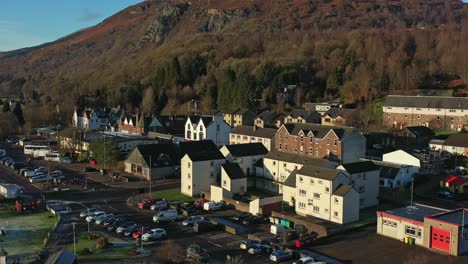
(389, 172)
(248, 149)
(343, 190)
(291, 180)
(159, 154)
(360, 167)
(267, 116)
(442, 102)
(319, 172)
(61, 257)
(319, 131)
(243, 111)
(457, 140)
(196, 146)
(257, 132)
(299, 159)
(205, 155)
(295, 113)
(344, 112)
(421, 131)
(259, 163)
(206, 120)
(233, 171)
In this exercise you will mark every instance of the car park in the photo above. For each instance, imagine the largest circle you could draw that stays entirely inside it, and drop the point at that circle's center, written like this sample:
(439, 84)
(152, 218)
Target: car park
(146, 203)
(191, 220)
(90, 218)
(132, 229)
(281, 255)
(154, 234)
(195, 252)
(165, 216)
(258, 249)
(121, 229)
(140, 231)
(87, 212)
(248, 243)
(160, 205)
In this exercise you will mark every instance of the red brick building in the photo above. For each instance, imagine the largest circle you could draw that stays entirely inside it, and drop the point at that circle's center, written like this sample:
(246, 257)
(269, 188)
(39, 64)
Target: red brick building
(134, 124)
(344, 144)
(435, 112)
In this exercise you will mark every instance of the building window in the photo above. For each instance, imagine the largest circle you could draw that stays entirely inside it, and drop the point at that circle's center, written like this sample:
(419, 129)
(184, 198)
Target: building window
(211, 174)
(413, 231)
(316, 141)
(302, 205)
(211, 163)
(285, 146)
(316, 209)
(327, 190)
(312, 181)
(284, 164)
(320, 181)
(317, 196)
(389, 223)
(326, 210)
(189, 176)
(451, 118)
(311, 140)
(336, 201)
(335, 214)
(316, 153)
(362, 189)
(419, 116)
(274, 173)
(302, 192)
(328, 141)
(189, 187)
(224, 183)
(301, 179)
(189, 165)
(274, 163)
(335, 142)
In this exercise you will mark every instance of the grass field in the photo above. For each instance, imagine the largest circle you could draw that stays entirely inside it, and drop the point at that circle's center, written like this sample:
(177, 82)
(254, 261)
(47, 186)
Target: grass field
(172, 195)
(25, 233)
(119, 249)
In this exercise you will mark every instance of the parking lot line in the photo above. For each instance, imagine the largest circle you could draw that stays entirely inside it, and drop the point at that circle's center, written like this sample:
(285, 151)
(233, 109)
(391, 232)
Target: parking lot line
(219, 236)
(214, 244)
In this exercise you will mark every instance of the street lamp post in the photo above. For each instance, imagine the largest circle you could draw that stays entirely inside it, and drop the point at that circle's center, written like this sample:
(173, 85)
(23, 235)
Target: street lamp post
(87, 221)
(74, 239)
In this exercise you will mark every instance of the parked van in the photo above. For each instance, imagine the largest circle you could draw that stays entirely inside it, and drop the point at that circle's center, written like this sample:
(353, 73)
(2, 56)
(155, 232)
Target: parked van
(210, 206)
(164, 216)
(40, 153)
(54, 156)
(278, 229)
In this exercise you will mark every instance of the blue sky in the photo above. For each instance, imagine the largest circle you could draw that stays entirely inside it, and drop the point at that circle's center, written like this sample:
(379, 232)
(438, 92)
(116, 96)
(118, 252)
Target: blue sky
(25, 23)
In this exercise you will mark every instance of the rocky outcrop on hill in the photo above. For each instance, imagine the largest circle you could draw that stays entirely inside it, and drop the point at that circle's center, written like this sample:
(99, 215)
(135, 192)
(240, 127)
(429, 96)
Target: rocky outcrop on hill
(216, 19)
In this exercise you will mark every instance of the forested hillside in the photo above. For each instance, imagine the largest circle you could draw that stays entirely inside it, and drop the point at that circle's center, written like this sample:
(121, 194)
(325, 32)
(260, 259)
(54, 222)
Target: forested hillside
(235, 52)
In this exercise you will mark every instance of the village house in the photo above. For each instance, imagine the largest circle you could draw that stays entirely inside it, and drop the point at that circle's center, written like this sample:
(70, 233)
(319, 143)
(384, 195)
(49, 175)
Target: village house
(134, 124)
(162, 160)
(252, 134)
(456, 144)
(435, 112)
(326, 194)
(90, 119)
(341, 117)
(207, 128)
(199, 171)
(245, 155)
(233, 178)
(455, 184)
(434, 228)
(364, 176)
(344, 144)
(303, 116)
(321, 108)
(168, 128)
(393, 176)
(239, 117)
(266, 118)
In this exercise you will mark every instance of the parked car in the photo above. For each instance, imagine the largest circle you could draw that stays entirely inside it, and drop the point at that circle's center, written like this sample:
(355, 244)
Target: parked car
(199, 202)
(189, 208)
(241, 216)
(100, 220)
(8, 162)
(87, 212)
(211, 206)
(192, 219)
(164, 216)
(281, 255)
(31, 173)
(89, 169)
(56, 172)
(377, 146)
(17, 165)
(445, 195)
(248, 243)
(117, 224)
(4, 159)
(140, 231)
(205, 226)
(114, 220)
(278, 229)
(65, 160)
(305, 260)
(197, 253)
(90, 218)
(159, 205)
(154, 234)
(253, 219)
(121, 229)
(146, 203)
(40, 169)
(258, 249)
(132, 229)
(41, 178)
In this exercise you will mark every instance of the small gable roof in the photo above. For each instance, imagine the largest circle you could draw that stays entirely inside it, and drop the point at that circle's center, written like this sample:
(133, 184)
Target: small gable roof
(343, 112)
(421, 131)
(254, 131)
(457, 140)
(197, 146)
(233, 171)
(205, 155)
(454, 180)
(319, 172)
(299, 159)
(291, 180)
(248, 149)
(319, 131)
(343, 190)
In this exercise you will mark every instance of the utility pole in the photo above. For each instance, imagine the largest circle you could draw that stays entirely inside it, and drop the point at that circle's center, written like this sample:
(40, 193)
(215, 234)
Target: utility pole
(87, 221)
(141, 240)
(412, 187)
(150, 178)
(74, 239)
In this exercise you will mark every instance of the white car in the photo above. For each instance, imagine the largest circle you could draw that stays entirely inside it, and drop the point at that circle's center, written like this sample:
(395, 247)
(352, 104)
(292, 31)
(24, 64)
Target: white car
(211, 206)
(153, 234)
(29, 173)
(40, 169)
(89, 211)
(94, 215)
(41, 178)
(305, 260)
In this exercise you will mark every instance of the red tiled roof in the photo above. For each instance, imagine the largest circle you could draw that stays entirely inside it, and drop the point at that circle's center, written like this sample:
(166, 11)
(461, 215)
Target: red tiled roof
(454, 180)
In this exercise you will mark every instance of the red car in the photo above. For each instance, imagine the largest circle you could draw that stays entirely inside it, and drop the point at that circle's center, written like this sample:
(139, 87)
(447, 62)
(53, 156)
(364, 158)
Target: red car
(137, 234)
(147, 202)
(199, 202)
